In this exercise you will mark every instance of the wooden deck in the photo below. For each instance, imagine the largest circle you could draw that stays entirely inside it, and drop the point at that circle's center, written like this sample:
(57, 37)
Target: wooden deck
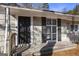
(69, 52)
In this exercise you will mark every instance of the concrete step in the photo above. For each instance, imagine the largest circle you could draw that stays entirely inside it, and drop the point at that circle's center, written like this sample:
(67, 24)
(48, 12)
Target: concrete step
(18, 50)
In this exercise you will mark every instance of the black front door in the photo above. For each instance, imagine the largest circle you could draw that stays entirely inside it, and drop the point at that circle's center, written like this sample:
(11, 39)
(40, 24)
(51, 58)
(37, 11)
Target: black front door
(23, 30)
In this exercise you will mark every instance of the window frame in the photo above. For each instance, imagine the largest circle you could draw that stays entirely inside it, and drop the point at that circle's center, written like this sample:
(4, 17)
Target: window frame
(51, 29)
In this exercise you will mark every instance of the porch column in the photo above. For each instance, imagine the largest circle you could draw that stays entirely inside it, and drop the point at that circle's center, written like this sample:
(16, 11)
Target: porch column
(31, 29)
(17, 31)
(7, 27)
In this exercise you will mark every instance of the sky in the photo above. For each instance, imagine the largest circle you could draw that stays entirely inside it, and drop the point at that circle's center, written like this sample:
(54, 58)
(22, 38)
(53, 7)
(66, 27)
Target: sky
(61, 6)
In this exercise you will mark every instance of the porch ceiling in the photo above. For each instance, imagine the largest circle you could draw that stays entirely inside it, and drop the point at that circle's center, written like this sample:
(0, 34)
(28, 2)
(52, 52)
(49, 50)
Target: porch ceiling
(39, 13)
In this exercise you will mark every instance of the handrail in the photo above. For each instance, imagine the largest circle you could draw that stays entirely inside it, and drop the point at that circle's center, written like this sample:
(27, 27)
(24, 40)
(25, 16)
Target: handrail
(13, 50)
(12, 42)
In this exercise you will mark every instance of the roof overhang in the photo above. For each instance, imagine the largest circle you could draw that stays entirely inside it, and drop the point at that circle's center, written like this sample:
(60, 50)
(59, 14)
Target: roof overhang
(39, 13)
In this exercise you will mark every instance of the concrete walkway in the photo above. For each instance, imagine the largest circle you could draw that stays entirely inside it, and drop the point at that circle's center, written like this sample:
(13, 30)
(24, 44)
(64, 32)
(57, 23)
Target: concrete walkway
(58, 46)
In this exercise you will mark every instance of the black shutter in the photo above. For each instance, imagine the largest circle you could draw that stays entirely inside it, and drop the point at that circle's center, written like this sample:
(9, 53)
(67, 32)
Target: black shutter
(59, 29)
(43, 25)
(43, 21)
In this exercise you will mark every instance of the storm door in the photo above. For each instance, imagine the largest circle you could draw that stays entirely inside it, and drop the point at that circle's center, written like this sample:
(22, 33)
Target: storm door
(23, 30)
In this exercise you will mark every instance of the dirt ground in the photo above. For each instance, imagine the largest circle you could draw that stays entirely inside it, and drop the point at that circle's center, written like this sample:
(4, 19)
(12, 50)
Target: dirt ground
(69, 52)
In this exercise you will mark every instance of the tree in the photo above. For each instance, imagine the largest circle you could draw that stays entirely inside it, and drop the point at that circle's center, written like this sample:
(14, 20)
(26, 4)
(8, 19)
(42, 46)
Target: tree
(45, 6)
(74, 11)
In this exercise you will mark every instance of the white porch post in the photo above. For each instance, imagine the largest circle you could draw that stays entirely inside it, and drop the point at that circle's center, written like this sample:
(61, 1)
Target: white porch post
(17, 31)
(6, 28)
(31, 29)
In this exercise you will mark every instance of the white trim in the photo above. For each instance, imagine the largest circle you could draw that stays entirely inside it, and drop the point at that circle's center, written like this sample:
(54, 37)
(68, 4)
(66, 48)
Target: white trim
(16, 31)
(31, 29)
(57, 30)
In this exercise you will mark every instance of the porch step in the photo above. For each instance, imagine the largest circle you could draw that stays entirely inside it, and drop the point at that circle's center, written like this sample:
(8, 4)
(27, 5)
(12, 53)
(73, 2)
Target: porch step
(18, 51)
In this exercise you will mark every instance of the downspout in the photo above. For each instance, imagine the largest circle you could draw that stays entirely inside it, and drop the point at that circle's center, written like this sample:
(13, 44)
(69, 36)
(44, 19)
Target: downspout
(9, 30)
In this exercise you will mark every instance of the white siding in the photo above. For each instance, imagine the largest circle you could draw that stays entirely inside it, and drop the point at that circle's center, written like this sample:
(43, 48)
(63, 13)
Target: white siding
(64, 31)
(2, 29)
(37, 30)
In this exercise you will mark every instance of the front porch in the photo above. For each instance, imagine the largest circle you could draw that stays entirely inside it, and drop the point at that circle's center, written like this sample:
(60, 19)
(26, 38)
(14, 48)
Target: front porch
(40, 29)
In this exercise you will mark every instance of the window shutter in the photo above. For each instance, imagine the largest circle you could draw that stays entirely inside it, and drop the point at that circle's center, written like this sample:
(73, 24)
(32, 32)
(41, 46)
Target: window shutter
(43, 25)
(59, 29)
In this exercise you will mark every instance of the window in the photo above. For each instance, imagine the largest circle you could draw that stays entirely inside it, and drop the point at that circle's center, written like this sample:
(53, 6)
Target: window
(74, 27)
(53, 29)
(48, 37)
(49, 30)
(48, 21)
(53, 36)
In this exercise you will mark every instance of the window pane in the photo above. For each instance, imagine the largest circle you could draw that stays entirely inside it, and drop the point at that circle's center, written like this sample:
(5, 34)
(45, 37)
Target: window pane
(48, 37)
(76, 27)
(48, 28)
(48, 21)
(53, 29)
(53, 36)
(53, 21)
